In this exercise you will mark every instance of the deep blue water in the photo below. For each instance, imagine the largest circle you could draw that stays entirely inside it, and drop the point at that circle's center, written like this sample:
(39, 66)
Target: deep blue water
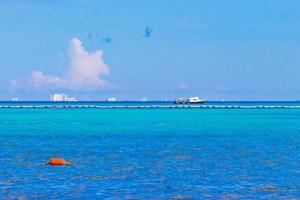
(151, 153)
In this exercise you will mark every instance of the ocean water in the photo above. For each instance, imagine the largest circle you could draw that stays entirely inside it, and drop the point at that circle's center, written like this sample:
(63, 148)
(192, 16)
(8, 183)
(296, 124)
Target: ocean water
(151, 153)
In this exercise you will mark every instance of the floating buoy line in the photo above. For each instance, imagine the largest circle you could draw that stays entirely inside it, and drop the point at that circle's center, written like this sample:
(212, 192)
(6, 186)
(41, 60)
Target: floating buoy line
(148, 107)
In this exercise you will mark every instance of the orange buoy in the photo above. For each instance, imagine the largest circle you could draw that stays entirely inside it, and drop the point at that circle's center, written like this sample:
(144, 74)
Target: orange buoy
(58, 161)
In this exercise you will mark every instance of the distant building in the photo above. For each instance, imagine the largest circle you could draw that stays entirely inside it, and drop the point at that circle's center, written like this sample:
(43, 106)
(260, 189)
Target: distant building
(57, 97)
(144, 99)
(71, 99)
(61, 97)
(15, 99)
(111, 99)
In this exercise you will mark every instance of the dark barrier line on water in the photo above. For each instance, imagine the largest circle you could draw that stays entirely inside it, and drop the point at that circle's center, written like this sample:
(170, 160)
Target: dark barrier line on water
(149, 107)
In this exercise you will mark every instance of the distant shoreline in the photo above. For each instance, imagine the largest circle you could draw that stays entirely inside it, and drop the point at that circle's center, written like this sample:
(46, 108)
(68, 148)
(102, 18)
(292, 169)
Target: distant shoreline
(86, 106)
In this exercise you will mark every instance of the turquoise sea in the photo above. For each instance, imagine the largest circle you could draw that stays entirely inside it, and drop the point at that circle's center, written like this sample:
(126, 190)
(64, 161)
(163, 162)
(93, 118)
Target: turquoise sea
(150, 153)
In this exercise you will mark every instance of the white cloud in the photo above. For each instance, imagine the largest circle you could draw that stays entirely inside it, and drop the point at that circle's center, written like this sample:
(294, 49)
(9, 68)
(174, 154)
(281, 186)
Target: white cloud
(85, 72)
(14, 84)
(221, 88)
(86, 69)
(183, 86)
(41, 80)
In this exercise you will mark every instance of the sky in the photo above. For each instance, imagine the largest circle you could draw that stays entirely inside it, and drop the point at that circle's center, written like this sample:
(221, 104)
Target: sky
(215, 49)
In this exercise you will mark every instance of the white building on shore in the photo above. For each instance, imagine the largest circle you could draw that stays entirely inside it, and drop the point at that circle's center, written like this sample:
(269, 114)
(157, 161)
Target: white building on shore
(144, 99)
(61, 97)
(111, 99)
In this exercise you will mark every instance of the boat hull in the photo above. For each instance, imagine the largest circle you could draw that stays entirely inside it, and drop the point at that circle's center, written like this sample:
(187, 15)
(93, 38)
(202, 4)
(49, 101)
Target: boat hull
(187, 102)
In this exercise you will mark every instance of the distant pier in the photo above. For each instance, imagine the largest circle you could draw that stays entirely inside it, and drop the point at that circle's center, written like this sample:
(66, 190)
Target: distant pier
(147, 107)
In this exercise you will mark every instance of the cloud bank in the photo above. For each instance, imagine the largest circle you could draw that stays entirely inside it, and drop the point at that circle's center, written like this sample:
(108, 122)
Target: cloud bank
(85, 72)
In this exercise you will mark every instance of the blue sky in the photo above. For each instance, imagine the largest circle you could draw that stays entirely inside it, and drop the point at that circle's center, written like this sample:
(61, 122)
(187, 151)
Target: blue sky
(222, 49)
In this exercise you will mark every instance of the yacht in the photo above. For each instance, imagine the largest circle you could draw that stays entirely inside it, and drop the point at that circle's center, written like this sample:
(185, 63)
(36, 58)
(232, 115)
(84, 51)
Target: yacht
(195, 100)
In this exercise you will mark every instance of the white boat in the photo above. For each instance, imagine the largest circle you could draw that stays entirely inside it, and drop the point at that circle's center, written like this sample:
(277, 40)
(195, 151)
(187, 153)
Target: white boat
(191, 100)
(195, 100)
